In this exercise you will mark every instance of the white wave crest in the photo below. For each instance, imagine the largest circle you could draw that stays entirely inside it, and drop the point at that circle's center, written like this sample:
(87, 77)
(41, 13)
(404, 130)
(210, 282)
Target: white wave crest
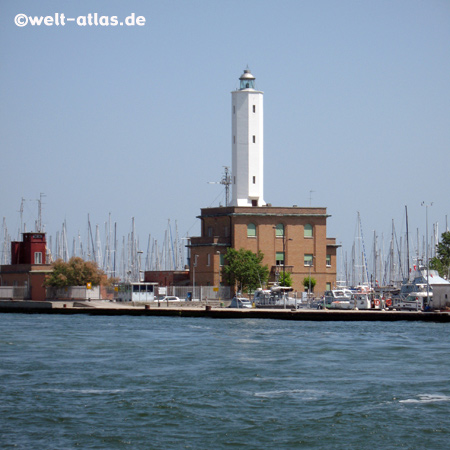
(427, 398)
(303, 393)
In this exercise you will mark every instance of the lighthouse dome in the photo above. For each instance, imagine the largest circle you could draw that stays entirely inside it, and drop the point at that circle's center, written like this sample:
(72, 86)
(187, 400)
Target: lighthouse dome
(247, 80)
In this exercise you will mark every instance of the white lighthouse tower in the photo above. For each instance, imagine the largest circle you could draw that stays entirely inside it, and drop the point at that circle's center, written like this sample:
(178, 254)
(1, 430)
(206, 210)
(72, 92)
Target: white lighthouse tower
(247, 143)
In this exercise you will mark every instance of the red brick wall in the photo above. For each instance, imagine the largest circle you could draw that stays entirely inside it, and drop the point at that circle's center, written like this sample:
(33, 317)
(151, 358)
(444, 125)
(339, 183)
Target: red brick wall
(167, 277)
(24, 252)
(215, 222)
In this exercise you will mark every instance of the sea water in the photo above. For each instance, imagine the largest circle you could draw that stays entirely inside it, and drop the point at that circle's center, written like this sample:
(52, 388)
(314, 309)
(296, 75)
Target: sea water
(83, 382)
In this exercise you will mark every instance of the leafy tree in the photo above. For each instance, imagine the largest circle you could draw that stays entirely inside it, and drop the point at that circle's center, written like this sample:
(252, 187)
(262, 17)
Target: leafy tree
(286, 280)
(76, 272)
(245, 270)
(441, 262)
(436, 264)
(305, 283)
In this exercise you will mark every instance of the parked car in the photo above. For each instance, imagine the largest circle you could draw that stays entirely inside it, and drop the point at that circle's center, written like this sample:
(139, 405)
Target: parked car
(239, 302)
(171, 298)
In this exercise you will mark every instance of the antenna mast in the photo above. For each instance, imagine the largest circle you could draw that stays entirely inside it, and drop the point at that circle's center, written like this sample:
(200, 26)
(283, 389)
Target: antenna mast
(21, 219)
(225, 181)
(39, 222)
(310, 197)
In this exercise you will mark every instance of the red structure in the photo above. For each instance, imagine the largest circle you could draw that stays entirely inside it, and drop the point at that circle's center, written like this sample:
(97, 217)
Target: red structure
(30, 251)
(28, 268)
(168, 277)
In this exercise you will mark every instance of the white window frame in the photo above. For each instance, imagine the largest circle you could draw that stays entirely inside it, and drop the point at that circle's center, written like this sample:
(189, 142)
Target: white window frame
(37, 257)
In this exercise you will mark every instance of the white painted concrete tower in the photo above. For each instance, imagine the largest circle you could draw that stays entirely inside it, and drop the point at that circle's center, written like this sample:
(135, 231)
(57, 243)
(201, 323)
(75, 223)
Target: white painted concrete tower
(247, 143)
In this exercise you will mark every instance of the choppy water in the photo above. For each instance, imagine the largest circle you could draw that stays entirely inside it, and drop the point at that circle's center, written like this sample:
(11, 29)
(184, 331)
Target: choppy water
(69, 382)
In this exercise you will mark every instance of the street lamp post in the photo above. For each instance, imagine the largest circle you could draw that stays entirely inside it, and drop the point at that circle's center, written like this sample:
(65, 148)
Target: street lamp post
(310, 264)
(284, 257)
(284, 253)
(218, 269)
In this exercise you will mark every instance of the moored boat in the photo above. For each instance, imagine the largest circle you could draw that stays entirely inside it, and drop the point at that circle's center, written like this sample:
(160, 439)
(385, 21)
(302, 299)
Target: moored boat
(338, 299)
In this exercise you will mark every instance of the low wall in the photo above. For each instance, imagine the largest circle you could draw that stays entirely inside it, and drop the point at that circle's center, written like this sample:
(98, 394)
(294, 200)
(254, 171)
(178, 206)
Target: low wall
(14, 292)
(24, 305)
(73, 292)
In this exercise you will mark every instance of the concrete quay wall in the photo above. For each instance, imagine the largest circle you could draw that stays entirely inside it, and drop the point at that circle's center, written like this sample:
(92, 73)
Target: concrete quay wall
(24, 306)
(221, 313)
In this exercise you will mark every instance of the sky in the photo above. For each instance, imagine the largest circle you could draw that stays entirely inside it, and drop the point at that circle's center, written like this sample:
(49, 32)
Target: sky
(134, 121)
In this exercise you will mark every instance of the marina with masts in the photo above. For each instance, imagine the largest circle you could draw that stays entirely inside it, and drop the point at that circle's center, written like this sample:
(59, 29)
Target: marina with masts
(125, 257)
(386, 261)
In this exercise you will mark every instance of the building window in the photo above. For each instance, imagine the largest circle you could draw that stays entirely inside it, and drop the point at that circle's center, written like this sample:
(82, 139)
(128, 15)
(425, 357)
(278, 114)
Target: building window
(254, 139)
(254, 108)
(328, 286)
(279, 259)
(210, 231)
(279, 230)
(38, 257)
(328, 260)
(226, 231)
(308, 231)
(254, 180)
(208, 259)
(222, 259)
(234, 109)
(251, 230)
(308, 259)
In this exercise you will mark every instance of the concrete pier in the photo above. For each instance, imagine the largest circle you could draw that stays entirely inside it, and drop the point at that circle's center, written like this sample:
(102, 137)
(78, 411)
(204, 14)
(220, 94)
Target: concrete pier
(105, 308)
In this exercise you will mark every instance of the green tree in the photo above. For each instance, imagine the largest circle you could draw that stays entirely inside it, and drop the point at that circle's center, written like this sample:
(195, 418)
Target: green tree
(245, 270)
(76, 272)
(306, 283)
(441, 262)
(286, 280)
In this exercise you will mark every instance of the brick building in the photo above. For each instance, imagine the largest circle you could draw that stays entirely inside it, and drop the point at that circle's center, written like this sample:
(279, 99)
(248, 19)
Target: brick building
(31, 250)
(291, 238)
(28, 268)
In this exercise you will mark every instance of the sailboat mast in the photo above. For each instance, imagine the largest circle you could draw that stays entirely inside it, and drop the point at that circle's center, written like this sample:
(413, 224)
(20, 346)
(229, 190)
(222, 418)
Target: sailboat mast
(115, 248)
(21, 230)
(91, 240)
(375, 257)
(407, 242)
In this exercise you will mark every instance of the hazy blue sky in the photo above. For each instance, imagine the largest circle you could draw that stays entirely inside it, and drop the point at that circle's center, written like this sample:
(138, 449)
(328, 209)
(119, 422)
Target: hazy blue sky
(134, 121)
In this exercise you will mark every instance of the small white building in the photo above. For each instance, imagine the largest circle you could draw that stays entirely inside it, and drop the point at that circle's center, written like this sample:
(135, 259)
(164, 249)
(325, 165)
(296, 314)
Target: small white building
(247, 176)
(135, 292)
(441, 296)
